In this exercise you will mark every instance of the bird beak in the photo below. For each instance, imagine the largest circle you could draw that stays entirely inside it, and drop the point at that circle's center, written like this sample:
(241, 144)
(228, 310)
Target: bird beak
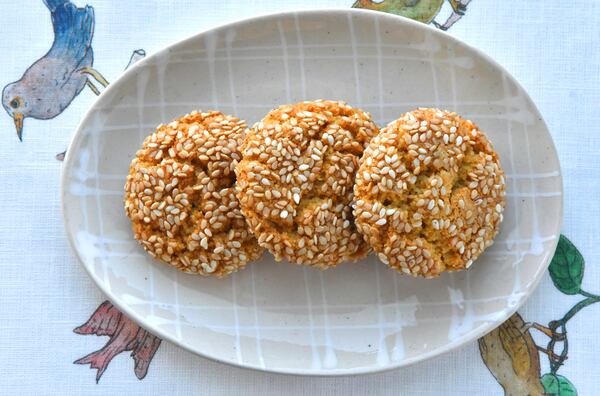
(18, 117)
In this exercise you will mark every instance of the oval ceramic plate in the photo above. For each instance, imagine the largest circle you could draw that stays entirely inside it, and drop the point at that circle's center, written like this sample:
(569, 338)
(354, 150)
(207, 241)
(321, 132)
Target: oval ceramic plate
(360, 317)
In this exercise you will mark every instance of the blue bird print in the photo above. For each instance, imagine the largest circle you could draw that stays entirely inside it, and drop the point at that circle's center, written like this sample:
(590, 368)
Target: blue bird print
(49, 85)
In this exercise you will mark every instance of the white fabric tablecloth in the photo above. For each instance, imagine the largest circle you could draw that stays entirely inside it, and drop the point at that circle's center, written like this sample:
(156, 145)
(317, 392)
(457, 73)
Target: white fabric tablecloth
(552, 47)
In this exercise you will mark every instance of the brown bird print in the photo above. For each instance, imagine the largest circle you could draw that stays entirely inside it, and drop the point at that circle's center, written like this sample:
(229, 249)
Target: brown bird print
(125, 335)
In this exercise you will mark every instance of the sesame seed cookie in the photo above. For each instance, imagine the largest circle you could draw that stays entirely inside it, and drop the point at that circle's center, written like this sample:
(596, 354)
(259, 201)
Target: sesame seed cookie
(295, 181)
(180, 195)
(429, 193)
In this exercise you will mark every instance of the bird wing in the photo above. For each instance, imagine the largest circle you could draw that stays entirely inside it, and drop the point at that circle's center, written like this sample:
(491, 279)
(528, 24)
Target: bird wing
(73, 30)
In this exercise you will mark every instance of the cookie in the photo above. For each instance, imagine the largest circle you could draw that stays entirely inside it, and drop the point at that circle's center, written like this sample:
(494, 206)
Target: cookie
(429, 193)
(180, 195)
(295, 181)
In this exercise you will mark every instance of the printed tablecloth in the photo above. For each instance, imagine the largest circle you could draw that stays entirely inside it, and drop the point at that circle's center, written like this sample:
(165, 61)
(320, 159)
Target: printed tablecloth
(52, 315)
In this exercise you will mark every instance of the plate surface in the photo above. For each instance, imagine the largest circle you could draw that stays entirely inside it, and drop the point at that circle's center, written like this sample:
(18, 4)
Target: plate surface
(360, 317)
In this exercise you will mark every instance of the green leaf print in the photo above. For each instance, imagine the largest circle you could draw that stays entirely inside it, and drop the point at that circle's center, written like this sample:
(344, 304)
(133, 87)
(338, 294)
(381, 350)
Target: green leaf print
(566, 268)
(557, 385)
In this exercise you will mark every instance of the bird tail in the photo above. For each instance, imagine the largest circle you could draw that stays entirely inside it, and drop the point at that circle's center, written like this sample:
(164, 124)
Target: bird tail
(53, 4)
(73, 28)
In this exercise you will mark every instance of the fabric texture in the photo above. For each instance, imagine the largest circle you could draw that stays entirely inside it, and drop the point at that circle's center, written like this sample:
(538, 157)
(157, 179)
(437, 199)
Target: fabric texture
(551, 47)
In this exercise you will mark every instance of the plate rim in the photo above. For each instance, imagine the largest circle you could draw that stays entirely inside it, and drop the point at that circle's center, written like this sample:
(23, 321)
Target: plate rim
(165, 335)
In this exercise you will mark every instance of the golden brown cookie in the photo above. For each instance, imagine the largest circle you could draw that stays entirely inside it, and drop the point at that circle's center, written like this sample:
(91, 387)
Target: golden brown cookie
(180, 195)
(429, 193)
(295, 181)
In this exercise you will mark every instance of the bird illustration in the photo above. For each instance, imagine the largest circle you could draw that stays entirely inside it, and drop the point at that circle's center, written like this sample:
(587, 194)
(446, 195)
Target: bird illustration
(124, 334)
(49, 85)
(511, 355)
(420, 10)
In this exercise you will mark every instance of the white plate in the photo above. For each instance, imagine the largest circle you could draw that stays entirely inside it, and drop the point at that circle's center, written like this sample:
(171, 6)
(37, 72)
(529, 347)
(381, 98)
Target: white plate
(357, 318)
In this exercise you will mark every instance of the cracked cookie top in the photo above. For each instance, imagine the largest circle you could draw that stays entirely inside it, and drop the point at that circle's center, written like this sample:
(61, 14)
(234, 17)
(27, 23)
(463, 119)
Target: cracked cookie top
(180, 195)
(429, 193)
(295, 181)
